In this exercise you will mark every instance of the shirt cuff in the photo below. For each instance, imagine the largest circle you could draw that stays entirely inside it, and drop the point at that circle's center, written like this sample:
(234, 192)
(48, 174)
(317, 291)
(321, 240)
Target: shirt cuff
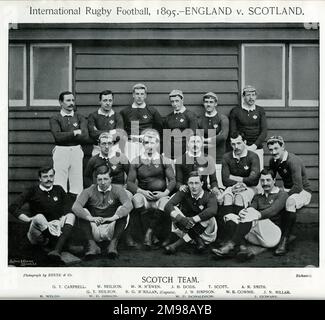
(196, 219)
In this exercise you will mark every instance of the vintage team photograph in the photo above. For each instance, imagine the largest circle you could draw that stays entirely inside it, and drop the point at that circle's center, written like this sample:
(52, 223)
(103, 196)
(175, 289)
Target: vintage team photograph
(163, 145)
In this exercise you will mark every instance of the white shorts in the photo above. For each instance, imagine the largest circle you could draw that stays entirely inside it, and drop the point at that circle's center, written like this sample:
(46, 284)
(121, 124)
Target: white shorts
(133, 149)
(39, 224)
(247, 195)
(208, 236)
(264, 233)
(301, 199)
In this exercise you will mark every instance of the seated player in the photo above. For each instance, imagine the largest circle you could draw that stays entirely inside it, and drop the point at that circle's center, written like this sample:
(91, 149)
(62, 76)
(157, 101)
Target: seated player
(240, 175)
(255, 223)
(195, 160)
(115, 160)
(155, 181)
(193, 215)
(103, 210)
(51, 220)
(293, 173)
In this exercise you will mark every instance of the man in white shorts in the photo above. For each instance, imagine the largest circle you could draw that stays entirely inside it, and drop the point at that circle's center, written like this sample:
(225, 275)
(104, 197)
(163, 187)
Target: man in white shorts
(103, 209)
(293, 173)
(255, 223)
(51, 219)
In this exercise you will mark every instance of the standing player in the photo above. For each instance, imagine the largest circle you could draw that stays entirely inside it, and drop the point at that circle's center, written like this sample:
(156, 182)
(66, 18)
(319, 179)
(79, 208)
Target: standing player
(180, 124)
(293, 173)
(104, 119)
(155, 181)
(193, 215)
(251, 120)
(51, 220)
(138, 117)
(216, 129)
(255, 224)
(69, 130)
(103, 209)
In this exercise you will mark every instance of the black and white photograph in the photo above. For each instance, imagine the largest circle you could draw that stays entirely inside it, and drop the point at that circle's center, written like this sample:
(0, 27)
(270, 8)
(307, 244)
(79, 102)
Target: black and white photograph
(150, 152)
(92, 109)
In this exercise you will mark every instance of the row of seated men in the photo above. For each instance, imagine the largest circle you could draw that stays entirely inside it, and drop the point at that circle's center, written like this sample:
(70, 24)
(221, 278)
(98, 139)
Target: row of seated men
(170, 211)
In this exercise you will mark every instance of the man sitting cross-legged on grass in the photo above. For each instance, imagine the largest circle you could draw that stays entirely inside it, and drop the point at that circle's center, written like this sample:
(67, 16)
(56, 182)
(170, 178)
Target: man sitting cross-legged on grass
(52, 220)
(255, 222)
(193, 215)
(103, 209)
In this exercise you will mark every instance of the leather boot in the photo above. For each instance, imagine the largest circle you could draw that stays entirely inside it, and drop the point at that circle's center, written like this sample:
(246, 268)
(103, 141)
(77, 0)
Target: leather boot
(225, 251)
(172, 248)
(282, 248)
(92, 249)
(148, 239)
(200, 245)
(112, 249)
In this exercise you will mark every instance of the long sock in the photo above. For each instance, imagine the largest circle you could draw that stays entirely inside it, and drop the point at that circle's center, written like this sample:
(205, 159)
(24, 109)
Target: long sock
(86, 228)
(229, 230)
(222, 229)
(241, 230)
(288, 219)
(135, 224)
(66, 231)
(119, 228)
(163, 224)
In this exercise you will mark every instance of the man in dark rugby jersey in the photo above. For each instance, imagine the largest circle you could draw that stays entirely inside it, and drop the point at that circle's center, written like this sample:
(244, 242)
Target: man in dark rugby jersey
(70, 131)
(138, 117)
(216, 129)
(193, 215)
(293, 173)
(251, 120)
(52, 220)
(155, 181)
(103, 209)
(105, 119)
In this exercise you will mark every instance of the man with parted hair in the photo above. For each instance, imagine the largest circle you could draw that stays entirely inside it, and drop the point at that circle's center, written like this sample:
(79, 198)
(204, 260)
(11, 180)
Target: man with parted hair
(52, 219)
(138, 117)
(193, 215)
(255, 224)
(251, 120)
(178, 126)
(105, 119)
(151, 180)
(70, 131)
(293, 173)
(103, 210)
(216, 129)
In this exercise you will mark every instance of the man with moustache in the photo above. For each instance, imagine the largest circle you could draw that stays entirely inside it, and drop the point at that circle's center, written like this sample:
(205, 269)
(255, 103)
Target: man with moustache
(293, 173)
(193, 215)
(104, 119)
(138, 117)
(216, 129)
(69, 130)
(251, 120)
(255, 223)
(52, 220)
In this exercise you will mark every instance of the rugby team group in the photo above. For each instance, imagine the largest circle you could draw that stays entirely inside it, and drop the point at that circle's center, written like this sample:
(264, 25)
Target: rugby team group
(165, 182)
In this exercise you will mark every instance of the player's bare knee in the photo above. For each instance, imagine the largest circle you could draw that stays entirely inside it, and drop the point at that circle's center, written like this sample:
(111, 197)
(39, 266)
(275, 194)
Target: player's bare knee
(291, 204)
(137, 200)
(227, 200)
(70, 219)
(238, 200)
(39, 219)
